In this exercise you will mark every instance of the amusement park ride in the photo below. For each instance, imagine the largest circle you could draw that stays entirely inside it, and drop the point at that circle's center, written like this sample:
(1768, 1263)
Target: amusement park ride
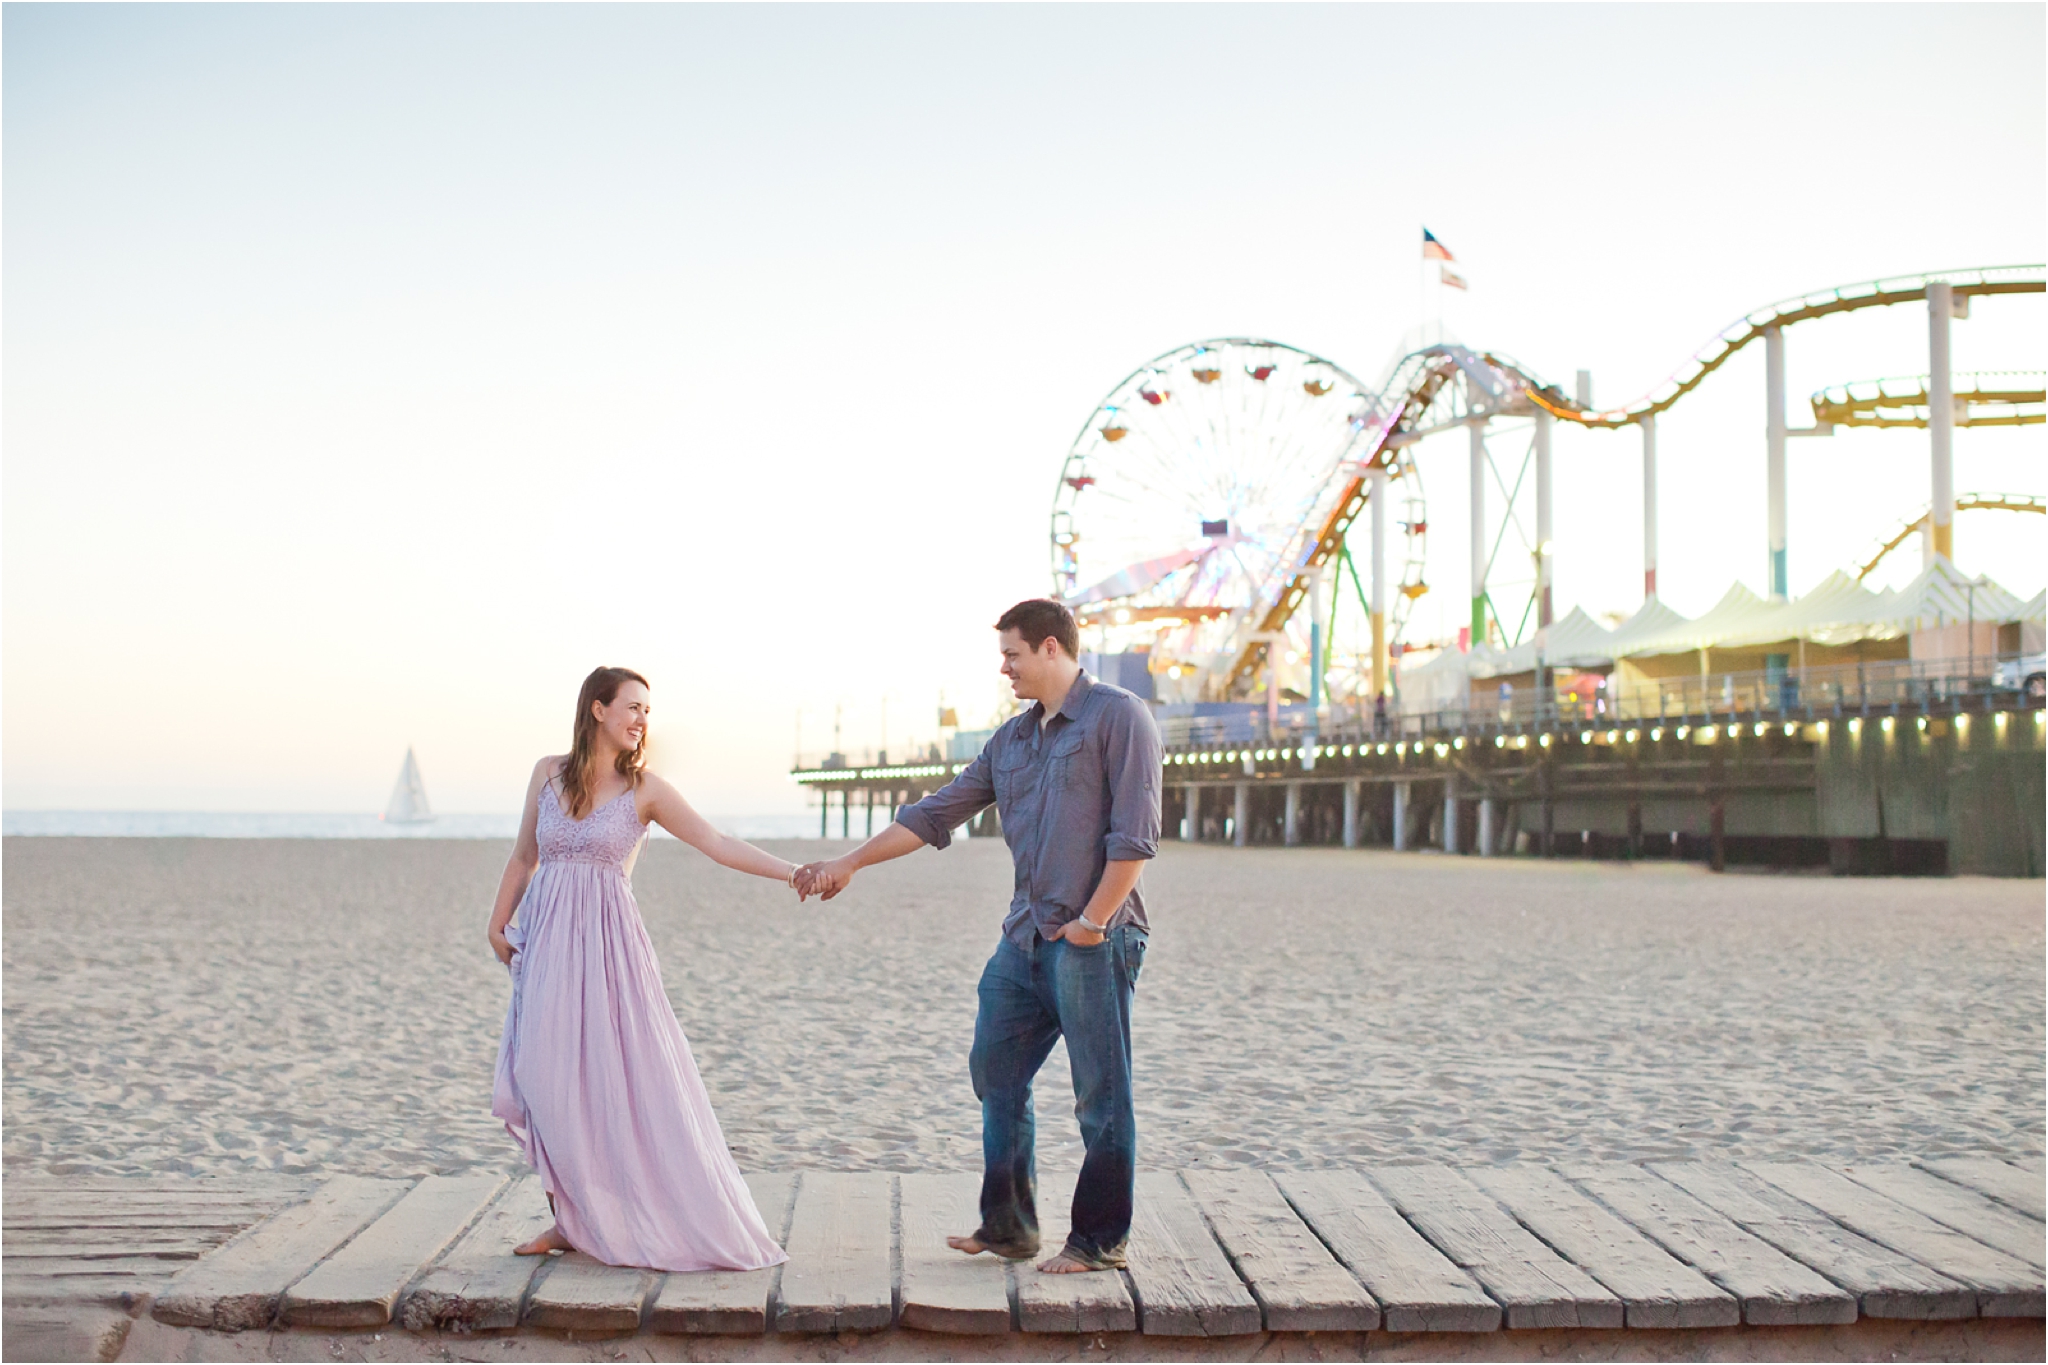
(1212, 495)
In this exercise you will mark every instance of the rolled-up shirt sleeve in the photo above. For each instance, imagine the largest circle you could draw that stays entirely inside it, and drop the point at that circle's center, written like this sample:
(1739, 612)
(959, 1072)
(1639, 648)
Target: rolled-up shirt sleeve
(1130, 765)
(936, 817)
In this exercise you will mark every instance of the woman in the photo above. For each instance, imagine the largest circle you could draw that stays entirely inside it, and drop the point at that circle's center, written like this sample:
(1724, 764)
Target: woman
(594, 1076)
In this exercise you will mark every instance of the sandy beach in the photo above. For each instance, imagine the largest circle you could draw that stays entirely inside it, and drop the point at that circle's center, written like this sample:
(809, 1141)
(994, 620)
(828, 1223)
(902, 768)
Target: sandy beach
(219, 1006)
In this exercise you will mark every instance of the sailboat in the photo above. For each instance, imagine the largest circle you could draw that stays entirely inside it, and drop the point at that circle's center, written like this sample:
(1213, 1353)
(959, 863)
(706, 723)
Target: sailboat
(408, 804)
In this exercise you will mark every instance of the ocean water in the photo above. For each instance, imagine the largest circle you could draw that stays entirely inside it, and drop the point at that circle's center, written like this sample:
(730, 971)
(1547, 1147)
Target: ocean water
(187, 824)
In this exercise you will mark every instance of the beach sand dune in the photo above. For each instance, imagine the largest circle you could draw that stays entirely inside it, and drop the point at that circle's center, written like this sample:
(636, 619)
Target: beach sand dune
(219, 1006)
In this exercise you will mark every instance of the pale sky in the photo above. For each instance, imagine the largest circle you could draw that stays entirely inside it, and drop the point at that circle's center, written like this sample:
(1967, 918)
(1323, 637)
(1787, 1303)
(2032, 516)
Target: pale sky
(372, 373)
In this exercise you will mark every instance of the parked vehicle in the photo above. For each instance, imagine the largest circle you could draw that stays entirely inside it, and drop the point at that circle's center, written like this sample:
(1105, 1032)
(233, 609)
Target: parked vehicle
(2027, 675)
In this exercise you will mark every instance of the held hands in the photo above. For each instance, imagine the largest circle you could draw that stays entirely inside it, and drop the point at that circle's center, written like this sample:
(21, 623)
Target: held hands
(825, 879)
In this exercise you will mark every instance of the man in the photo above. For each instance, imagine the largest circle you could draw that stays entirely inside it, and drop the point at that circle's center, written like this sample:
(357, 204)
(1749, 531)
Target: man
(1075, 779)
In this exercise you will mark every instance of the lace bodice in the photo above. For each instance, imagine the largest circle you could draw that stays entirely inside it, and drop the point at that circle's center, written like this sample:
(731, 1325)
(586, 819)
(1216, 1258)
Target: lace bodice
(608, 836)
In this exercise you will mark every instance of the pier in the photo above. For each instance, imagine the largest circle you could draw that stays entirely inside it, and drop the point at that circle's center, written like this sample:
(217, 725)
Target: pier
(1891, 767)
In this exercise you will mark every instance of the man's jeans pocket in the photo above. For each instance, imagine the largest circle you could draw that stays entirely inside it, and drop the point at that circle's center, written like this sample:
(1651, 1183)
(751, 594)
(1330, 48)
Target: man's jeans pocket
(1133, 950)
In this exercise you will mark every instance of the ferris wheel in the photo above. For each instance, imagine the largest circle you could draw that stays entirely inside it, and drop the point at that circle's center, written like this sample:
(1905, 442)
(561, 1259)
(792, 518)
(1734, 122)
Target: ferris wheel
(1192, 491)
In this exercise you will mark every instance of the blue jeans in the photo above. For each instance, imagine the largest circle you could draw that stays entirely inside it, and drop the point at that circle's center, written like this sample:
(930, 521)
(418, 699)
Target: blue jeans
(1029, 998)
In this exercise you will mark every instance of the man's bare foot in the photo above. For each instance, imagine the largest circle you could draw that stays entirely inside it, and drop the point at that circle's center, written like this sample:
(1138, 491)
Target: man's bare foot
(974, 1246)
(551, 1240)
(1063, 1264)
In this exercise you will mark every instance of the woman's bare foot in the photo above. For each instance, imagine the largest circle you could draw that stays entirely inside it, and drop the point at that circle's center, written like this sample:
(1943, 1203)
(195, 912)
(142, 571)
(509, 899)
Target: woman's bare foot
(970, 1245)
(1063, 1264)
(551, 1240)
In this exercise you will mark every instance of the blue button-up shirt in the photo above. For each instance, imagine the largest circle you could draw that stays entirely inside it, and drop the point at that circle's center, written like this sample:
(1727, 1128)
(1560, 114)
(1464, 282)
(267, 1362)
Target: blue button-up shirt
(1072, 794)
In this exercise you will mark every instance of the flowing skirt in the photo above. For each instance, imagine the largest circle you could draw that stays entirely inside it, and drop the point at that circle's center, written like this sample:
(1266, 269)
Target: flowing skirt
(595, 1080)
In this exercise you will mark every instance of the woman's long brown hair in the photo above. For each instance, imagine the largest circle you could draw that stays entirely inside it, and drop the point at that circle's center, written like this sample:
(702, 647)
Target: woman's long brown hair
(601, 686)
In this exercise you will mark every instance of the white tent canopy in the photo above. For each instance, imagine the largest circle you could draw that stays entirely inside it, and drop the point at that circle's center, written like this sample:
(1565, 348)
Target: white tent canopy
(1442, 683)
(1575, 641)
(1839, 610)
(1943, 596)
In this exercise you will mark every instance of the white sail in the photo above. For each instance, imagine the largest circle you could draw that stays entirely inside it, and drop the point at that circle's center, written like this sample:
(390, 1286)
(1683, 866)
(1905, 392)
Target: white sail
(408, 805)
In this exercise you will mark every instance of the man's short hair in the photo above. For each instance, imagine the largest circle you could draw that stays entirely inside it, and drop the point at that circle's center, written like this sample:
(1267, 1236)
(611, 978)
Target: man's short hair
(1039, 617)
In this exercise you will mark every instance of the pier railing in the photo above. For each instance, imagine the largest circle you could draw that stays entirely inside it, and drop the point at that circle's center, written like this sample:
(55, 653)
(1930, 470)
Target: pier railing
(1889, 687)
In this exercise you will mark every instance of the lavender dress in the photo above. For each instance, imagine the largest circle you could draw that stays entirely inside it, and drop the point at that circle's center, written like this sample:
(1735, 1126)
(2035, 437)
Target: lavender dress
(594, 1076)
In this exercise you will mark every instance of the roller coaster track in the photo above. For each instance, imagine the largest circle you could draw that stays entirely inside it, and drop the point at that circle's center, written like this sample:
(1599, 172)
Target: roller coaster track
(2005, 279)
(1966, 502)
(1982, 400)
(1500, 385)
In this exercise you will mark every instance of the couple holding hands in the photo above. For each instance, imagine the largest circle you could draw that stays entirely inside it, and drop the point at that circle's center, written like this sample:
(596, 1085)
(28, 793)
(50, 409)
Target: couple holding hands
(595, 1079)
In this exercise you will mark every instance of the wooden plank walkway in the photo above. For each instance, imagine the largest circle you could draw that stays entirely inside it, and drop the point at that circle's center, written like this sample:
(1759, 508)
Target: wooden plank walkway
(1885, 1283)
(117, 1241)
(1183, 1281)
(1213, 1253)
(941, 1290)
(1417, 1287)
(1964, 1210)
(2006, 1287)
(240, 1285)
(839, 1277)
(2024, 1189)
(729, 1302)
(1773, 1289)
(1298, 1283)
(1534, 1286)
(1066, 1303)
(1655, 1290)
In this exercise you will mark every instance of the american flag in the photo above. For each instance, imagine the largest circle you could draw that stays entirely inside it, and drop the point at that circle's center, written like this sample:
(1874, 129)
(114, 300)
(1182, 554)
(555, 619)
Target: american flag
(1433, 250)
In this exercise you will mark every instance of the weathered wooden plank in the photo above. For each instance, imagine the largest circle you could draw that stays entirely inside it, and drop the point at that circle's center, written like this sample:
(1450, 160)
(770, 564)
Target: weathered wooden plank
(152, 1270)
(1418, 1289)
(480, 1285)
(728, 1302)
(2024, 1190)
(1299, 1285)
(1533, 1284)
(1885, 1283)
(1967, 1211)
(580, 1293)
(238, 1285)
(2006, 1286)
(66, 1243)
(1774, 1289)
(1183, 1282)
(1066, 1303)
(61, 1197)
(139, 1222)
(839, 1277)
(943, 1291)
(263, 1184)
(359, 1285)
(1655, 1290)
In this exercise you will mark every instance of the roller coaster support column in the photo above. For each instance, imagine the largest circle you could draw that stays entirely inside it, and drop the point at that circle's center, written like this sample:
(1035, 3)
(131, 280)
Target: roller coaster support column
(1774, 469)
(1543, 547)
(1649, 425)
(1477, 426)
(1378, 504)
(1315, 654)
(1941, 420)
